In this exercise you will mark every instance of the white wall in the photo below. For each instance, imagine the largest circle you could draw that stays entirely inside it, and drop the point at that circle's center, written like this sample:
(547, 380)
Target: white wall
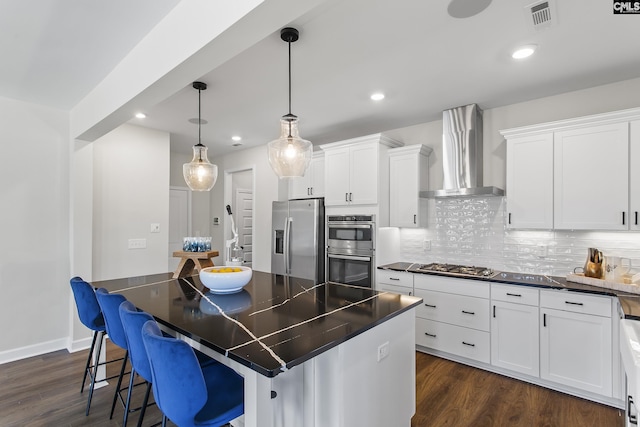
(34, 219)
(200, 200)
(130, 191)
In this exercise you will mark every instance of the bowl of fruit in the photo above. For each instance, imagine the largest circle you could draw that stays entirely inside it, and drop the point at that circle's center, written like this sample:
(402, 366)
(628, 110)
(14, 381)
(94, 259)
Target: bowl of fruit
(225, 280)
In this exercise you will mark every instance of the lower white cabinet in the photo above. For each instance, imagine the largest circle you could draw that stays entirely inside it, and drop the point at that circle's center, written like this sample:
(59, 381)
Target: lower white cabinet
(576, 341)
(399, 282)
(453, 316)
(514, 329)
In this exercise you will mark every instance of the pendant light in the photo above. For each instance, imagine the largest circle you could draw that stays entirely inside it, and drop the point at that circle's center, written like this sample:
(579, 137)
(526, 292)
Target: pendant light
(289, 155)
(200, 174)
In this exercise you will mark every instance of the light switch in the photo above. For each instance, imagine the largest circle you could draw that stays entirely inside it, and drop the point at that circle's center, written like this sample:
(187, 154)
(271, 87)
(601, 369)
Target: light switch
(155, 227)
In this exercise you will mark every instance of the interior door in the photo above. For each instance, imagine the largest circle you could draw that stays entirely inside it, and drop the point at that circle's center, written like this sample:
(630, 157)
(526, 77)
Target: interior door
(243, 212)
(179, 222)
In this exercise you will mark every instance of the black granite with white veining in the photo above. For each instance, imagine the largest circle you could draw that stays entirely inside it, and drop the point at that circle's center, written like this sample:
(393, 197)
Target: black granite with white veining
(274, 323)
(630, 303)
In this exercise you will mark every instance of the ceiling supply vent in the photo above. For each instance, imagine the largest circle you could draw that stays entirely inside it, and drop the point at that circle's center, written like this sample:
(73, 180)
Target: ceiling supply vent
(540, 14)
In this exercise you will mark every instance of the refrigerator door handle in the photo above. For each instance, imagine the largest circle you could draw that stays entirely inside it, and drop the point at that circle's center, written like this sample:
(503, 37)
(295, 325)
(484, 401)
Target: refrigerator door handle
(287, 235)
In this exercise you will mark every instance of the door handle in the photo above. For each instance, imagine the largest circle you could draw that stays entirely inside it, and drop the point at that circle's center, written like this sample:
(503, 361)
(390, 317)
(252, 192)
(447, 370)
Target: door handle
(346, 197)
(414, 218)
(350, 197)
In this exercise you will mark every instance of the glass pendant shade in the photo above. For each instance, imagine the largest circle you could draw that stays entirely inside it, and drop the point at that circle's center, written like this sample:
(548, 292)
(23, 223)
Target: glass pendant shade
(200, 174)
(289, 155)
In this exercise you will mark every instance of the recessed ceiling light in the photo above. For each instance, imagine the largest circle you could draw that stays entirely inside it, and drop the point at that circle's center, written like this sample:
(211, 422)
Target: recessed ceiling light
(141, 115)
(236, 138)
(377, 96)
(524, 51)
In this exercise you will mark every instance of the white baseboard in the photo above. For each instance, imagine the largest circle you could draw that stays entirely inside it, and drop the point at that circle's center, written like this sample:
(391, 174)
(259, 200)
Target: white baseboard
(33, 350)
(79, 345)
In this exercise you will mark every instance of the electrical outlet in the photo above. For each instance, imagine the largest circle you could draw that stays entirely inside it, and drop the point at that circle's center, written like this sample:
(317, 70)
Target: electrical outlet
(426, 245)
(383, 351)
(155, 227)
(137, 244)
(542, 251)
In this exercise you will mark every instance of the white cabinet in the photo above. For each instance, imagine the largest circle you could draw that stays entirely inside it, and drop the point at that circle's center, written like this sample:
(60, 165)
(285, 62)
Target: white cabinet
(399, 282)
(530, 181)
(591, 178)
(514, 328)
(576, 341)
(312, 183)
(454, 316)
(408, 175)
(356, 171)
(596, 185)
(634, 175)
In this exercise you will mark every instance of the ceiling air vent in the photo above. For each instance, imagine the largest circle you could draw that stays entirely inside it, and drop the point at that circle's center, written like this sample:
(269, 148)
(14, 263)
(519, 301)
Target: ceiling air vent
(541, 13)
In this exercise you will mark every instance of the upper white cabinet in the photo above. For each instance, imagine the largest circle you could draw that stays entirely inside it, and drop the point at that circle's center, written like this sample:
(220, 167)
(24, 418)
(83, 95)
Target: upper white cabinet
(587, 177)
(408, 175)
(634, 175)
(591, 178)
(312, 183)
(356, 171)
(530, 181)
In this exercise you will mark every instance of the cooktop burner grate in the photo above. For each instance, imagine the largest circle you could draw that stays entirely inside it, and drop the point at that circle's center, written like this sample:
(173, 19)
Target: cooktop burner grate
(457, 270)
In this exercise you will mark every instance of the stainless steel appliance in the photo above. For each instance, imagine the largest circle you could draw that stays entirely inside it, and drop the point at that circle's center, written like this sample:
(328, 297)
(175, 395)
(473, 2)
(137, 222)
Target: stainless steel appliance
(462, 151)
(298, 242)
(351, 249)
(457, 270)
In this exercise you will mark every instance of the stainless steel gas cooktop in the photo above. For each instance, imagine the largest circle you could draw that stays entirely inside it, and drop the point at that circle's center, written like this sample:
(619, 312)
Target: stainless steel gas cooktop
(457, 270)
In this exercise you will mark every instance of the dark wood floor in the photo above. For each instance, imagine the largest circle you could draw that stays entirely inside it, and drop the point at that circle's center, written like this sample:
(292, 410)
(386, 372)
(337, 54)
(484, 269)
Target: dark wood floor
(45, 391)
(451, 394)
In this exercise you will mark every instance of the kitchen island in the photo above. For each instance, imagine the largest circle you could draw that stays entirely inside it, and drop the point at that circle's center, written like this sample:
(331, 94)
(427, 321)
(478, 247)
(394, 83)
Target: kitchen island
(310, 354)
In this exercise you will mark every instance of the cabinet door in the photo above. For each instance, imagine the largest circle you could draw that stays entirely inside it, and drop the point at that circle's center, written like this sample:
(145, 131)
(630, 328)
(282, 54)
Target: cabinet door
(591, 178)
(299, 188)
(634, 178)
(336, 176)
(317, 177)
(363, 174)
(515, 337)
(404, 207)
(575, 350)
(530, 182)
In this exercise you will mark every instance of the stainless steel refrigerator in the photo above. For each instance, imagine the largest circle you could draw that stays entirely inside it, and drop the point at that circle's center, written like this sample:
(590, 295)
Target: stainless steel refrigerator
(297, 239)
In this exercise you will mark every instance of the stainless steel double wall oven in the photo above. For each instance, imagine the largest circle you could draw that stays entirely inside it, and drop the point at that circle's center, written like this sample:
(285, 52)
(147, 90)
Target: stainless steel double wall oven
(351, 249)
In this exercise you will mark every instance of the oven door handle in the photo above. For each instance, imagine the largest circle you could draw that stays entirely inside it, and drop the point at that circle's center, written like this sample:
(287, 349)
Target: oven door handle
(351, 257)
(332, 225)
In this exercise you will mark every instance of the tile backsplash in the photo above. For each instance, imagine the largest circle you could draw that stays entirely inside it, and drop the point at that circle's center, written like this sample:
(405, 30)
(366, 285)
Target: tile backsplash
(472, 231)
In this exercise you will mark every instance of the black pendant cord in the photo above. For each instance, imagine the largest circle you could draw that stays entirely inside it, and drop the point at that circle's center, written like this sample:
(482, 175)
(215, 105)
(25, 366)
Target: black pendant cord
(289, 43)
(199, 123)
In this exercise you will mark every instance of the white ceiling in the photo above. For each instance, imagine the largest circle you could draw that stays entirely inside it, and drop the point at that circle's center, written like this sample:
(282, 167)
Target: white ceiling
(423, 59)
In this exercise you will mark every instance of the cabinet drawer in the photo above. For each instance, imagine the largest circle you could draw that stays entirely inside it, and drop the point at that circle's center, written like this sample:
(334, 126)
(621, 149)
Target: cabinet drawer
(452, 339)
(457, 310)
(575, 302)
(468, 287)
(515, 294)
(396, 278)
(396, 289)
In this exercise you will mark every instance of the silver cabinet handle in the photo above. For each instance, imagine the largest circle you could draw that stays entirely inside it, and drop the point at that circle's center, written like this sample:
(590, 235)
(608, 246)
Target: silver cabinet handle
(350, 197)
(346, 197)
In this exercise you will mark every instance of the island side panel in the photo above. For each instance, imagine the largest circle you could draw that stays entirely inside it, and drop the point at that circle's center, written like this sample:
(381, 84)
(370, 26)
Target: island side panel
(352, 387)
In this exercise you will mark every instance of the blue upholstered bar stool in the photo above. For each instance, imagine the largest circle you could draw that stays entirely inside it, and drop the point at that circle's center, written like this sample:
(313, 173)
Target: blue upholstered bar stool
(132, 321)
(110, 305)
(91, 316)
(187, 394)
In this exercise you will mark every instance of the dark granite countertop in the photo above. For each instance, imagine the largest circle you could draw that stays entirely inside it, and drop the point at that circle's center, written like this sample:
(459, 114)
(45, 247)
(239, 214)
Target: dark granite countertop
(274, 323)
(630, 303)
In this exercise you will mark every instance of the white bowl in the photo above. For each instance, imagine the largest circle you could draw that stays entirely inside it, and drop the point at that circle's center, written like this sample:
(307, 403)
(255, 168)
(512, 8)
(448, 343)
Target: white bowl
(225, 283)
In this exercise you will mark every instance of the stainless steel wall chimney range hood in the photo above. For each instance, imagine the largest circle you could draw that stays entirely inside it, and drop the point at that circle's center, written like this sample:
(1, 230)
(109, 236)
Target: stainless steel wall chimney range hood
(462, 155)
